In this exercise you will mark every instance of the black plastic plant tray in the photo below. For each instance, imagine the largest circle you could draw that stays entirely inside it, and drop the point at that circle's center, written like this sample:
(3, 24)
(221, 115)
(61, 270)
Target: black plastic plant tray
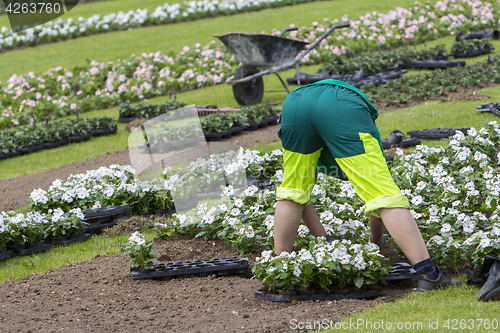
(33, 249)
(101, 225)
(162, 148)
(400, 272)
(109, 211)
(472, 54)
(370, 294)
(224, 134)
(220, 267)
(73, 239)
(407, 142)
(430, 64)
(435, 133)
(488, 107)
(263, 123)
(7, 254)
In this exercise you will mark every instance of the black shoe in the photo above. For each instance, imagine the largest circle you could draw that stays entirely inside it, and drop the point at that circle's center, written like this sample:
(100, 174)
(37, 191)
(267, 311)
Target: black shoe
(491, 289)
(425, 284)
(380, 244)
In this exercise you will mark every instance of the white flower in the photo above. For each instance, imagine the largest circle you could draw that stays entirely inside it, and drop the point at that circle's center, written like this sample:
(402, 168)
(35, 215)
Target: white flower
(229, 190)
(297, 271)
(437, 239)
(137, 238)
(269, 222)
(417, 200)
(250, 191)
(445, 228)
(238, 203)
(326, 216)
(485, 242)
(232, 221)
(421, 185)
(235, 212)
(271, 269)
(433, 210)
(472, 131)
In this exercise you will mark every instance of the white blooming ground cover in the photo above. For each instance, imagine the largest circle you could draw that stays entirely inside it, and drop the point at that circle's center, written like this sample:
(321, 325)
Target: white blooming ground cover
(60, 92)
(453, 191)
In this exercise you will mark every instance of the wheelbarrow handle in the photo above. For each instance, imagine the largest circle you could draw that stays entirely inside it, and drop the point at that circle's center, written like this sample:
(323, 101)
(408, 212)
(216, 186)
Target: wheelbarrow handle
(286, 30)
(319, 40)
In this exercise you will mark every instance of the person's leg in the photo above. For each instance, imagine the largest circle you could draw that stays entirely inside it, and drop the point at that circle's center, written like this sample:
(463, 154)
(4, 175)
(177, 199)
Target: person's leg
(312, 222)
(301, 149)
(404, 230)
(286, 223)
(377, 228)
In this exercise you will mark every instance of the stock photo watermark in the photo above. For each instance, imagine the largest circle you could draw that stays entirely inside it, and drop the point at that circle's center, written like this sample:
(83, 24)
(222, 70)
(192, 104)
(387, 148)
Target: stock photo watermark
(360, 324)
(26, 14)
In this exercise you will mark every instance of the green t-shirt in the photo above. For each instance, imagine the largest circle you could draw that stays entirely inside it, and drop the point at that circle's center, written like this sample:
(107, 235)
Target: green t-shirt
(373, 110)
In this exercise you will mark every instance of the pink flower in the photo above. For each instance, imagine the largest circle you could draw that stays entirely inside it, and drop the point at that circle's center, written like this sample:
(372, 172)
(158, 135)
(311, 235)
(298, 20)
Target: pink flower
(185, 49)
(73, 106)
(94, 71)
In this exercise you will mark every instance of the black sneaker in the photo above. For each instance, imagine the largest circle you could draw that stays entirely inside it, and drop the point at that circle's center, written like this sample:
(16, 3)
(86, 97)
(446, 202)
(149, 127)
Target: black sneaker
(425, 284)
(381, 243)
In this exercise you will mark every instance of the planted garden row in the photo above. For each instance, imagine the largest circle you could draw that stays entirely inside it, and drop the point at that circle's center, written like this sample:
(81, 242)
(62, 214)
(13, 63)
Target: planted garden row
(471, 48)
(30, 138)
(430, 86)
(163, 137)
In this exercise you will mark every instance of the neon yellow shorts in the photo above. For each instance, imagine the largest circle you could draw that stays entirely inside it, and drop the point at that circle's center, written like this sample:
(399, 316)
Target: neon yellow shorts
(332, 129)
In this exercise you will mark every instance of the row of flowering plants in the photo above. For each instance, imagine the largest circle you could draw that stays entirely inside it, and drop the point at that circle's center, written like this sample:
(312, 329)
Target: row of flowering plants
(103, 187)
(50, 135)
(20, 229)
(433, 85)
(60, 29)
(59, 92)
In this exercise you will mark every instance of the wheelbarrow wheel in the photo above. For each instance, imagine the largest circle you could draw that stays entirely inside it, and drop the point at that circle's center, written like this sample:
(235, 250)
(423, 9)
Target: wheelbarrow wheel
(250, 92)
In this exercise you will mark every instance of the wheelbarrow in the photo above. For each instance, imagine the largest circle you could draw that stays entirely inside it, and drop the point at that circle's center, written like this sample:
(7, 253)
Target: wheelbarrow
(260, 51)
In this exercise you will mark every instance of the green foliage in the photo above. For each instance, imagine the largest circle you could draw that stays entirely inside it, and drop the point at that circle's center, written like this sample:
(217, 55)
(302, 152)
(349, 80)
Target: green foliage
(146, 110)
(216, 123)
(432, 85)
(29, 135)
(378, 61)
(471, 45)
(139, 252)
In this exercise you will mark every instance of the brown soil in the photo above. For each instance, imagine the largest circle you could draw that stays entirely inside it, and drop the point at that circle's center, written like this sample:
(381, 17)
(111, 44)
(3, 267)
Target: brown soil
(100, 296)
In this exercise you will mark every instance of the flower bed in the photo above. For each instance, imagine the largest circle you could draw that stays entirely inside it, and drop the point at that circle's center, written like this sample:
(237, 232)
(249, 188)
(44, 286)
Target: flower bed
(34, 232)
(471, 48)
(28, 138)
(381, 61)
(431, 86)
(128, 112)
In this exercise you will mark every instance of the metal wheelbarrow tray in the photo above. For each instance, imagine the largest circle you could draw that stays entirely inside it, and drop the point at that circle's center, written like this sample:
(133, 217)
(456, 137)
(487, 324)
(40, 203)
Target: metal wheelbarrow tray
(257, 51)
